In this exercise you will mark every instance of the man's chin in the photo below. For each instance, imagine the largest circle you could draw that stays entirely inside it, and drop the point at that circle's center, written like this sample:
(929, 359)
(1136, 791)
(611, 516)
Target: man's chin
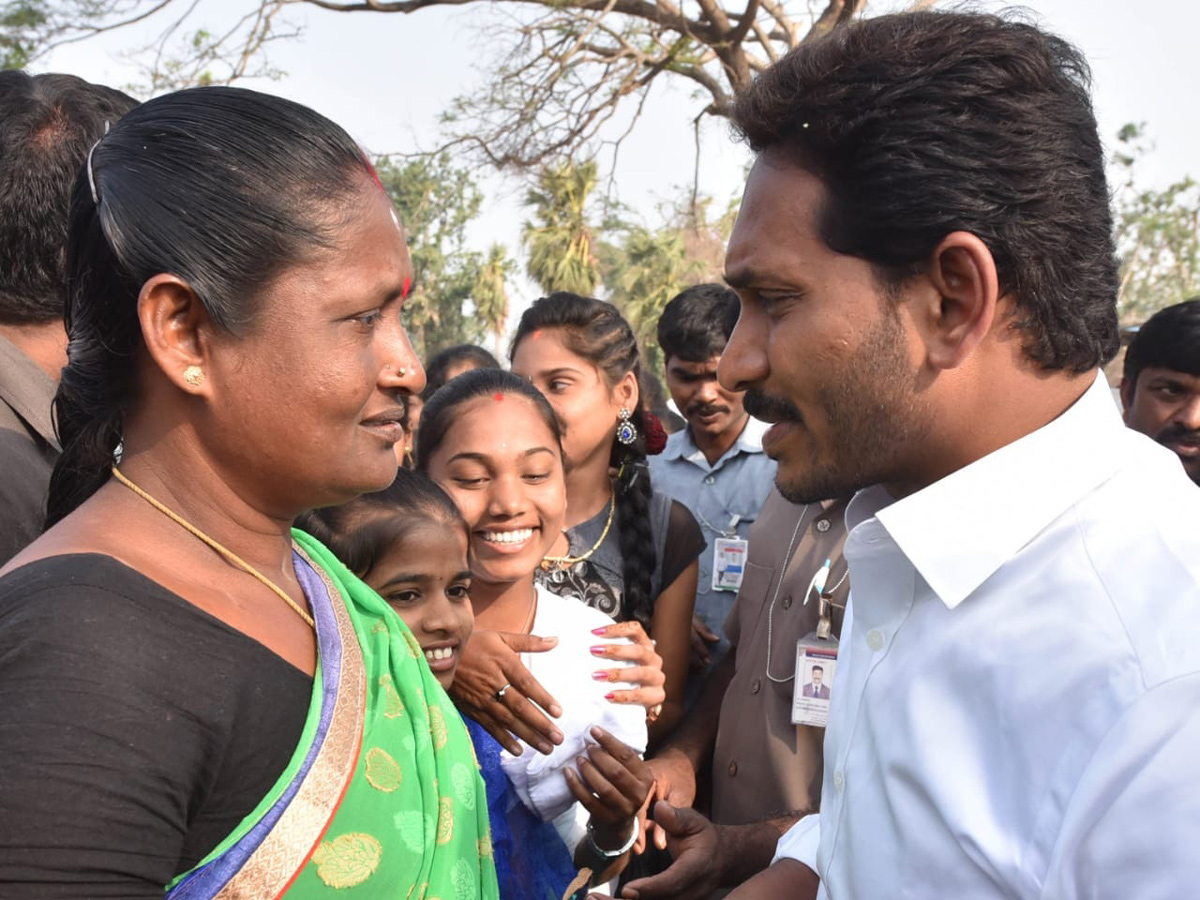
(714, 427)
(806, 484)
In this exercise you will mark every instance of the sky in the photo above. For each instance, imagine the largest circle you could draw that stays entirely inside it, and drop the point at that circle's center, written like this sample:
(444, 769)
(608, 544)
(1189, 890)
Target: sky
(387, 77)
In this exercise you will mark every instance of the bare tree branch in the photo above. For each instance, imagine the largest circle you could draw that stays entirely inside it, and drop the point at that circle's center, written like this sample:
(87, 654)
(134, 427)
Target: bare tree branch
(571, 73)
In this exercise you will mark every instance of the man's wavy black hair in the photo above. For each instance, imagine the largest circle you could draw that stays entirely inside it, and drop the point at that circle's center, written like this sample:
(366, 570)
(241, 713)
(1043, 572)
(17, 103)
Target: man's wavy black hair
(921, 124)
(1169, 339)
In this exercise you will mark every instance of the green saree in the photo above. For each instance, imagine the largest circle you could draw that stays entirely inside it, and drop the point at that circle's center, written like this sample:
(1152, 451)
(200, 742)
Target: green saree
(382, 797)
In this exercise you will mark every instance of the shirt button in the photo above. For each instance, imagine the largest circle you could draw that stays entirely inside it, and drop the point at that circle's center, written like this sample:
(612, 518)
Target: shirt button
(839, 780)
(708, 479)
(732, 769)
(875, 639)
(822, 525)
(787, 602)
(757, 686)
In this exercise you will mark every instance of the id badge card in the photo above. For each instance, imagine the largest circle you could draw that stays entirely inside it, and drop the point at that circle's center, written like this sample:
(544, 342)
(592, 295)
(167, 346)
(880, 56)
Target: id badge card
(816, 668)
(729, 563)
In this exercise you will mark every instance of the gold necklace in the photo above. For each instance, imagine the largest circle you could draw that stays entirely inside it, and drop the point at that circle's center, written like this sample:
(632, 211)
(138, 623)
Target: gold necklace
(561, 562)
(228, 554)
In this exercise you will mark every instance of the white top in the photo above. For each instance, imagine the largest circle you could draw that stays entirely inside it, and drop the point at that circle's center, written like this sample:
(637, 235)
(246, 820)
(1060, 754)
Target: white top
(1017, 707)
(566, 672)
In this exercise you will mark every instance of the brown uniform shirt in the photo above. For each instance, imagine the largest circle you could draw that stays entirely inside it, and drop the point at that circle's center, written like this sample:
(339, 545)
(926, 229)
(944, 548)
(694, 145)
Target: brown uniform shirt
(763, 764)
(28, 449)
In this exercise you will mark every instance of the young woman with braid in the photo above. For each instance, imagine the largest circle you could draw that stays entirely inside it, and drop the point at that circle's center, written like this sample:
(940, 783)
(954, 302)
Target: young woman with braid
(626, 550)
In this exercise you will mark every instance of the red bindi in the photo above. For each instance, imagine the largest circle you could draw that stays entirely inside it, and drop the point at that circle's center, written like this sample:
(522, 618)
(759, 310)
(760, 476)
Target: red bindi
(536, 334)
(371, 169)
(497, 397)
(406, 287)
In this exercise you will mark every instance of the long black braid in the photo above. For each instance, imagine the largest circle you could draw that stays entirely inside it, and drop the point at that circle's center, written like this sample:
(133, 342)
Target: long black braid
(596, 331)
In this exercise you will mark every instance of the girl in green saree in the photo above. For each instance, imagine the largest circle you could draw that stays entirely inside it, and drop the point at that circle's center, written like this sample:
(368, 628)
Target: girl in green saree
(198, 701)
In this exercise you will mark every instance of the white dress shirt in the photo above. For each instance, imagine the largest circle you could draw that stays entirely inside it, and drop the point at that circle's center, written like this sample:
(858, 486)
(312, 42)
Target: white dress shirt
(1016, 711)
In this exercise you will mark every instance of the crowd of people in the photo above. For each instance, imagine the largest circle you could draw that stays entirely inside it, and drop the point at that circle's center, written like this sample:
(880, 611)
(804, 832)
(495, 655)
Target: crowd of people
(899, 606)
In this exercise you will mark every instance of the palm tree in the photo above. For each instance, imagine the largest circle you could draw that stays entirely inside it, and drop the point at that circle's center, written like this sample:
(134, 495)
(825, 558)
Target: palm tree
(559, 239)
(490, 292)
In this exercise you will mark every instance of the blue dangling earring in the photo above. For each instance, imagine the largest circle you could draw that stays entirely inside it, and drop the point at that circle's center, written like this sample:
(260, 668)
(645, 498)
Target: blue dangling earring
(626, 432)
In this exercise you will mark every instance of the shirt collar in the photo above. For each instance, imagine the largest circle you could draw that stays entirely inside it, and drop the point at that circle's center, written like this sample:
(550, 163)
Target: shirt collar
(960, 530)
(27, 390)
(681, 446)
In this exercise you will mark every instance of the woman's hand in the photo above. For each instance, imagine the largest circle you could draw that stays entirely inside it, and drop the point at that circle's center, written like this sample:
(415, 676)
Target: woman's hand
(490, 663)
(646, 671)
(612, 783)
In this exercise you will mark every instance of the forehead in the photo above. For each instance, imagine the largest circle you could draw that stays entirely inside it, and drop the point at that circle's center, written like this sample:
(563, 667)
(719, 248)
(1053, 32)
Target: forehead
(475, 427)
(776, 227)
(689, 367)
(367, 259)
(425, 544)
(544, 349)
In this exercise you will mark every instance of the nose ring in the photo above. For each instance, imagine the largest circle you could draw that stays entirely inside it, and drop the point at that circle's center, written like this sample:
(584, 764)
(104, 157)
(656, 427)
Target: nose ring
(401, 372)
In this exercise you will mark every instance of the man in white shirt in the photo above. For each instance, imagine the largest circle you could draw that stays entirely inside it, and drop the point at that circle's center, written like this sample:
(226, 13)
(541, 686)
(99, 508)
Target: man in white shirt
(928, 289)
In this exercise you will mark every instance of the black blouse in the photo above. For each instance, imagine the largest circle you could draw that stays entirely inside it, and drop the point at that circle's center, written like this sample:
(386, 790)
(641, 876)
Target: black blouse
(136, 730)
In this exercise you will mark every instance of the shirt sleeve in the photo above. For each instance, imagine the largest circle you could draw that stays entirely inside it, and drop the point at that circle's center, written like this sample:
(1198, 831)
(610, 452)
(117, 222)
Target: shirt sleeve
(685, 543)
(23, 482)
(1132, 825)
(800, 842)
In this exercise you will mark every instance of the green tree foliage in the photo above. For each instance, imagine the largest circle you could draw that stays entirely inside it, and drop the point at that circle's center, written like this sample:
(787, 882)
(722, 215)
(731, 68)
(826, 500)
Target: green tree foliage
(559, 238)
(645, 267)
(436, 201)
(490, 293)
(1157, 234)
(24, 26)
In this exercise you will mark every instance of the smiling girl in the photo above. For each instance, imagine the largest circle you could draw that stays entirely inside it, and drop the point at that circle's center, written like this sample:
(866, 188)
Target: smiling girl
(509, 485)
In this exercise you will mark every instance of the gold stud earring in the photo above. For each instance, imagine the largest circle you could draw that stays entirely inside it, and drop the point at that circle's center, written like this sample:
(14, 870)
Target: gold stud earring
(194, 376)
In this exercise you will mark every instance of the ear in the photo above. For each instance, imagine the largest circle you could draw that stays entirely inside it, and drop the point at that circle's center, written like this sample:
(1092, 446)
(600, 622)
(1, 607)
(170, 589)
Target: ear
(625, 393)
(960, 308)
(1127, 388)
(175, 326)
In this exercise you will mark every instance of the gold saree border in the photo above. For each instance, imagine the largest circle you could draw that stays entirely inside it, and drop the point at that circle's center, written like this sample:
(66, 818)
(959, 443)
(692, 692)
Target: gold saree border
(278, 861)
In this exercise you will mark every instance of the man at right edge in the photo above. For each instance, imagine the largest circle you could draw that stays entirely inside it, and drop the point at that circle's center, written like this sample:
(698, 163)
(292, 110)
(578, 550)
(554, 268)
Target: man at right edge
(928, 291)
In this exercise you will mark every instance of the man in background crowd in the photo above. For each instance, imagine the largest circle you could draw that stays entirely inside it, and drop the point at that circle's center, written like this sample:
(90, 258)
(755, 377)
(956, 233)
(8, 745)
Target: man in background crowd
(765, 767)
(47, 125)
(1160, 389)
(715, 466)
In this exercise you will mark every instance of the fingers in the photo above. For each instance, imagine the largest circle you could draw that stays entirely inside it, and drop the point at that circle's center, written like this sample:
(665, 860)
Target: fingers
(612, 781)
(526, 721)
(647, 697)
(639, 844)
(701, 628)
(527, 643)
(631, 629)
(700, 657)
(643, 654)
(646, 676)
(529, 688)
(616, 764)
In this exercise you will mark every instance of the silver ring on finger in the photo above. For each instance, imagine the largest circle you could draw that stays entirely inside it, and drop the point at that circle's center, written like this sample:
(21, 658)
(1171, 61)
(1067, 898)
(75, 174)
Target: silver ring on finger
(499, 695)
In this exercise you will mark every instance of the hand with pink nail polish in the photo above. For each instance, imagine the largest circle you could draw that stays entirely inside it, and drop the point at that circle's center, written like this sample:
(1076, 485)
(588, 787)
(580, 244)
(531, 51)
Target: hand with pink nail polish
(642, 666)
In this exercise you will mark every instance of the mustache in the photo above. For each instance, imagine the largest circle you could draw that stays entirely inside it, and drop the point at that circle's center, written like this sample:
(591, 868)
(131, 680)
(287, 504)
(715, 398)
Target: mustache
(768, 408)
(700, 409)
(1178, 434)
